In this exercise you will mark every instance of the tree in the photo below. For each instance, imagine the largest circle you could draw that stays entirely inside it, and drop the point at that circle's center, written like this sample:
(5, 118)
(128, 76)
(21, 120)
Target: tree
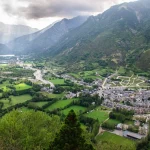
(28, 130)
(9, 99)
(70, 136)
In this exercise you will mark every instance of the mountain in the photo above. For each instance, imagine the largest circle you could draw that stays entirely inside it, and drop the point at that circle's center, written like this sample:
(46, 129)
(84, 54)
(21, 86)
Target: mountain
(4, 50)
(119, 36)
(10, 32)
(44, 39)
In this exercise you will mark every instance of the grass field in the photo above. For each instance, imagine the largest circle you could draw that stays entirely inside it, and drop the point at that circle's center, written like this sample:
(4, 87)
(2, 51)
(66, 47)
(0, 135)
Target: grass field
(131, 122)
(58, 81)
(116, 140)
(77, 76)
(23, 109)
(60, 104)
(22, 86)
(85, 75)
(15, 100)
(53, 95)
(83, 126)
(98, 114)
(3, 86)
(77, 109)
(5, 89)
(3, 65)
(40, 104)
(113, 122)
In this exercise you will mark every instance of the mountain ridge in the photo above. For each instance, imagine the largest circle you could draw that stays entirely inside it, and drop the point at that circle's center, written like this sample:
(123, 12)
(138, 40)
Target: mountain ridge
(109, 37)
(45, 38)
(9, 32)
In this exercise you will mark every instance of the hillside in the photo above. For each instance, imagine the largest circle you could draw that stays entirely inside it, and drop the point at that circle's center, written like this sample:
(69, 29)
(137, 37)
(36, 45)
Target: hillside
(4, 49)
(10, 32)
(144, 61)
(44, 39)
(116, 37)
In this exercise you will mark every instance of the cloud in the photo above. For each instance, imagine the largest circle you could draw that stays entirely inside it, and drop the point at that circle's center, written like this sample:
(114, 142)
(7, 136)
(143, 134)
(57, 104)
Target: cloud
(37, 9)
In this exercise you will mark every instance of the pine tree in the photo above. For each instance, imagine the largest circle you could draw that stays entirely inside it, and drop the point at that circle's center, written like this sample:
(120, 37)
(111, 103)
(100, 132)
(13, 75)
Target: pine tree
(70, 136)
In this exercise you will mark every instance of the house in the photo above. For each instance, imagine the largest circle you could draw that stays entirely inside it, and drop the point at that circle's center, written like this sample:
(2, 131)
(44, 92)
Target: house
(132, 135)
(119, 126)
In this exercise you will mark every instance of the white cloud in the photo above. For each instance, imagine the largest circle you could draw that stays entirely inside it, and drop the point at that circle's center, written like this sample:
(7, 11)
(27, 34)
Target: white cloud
(39, 13)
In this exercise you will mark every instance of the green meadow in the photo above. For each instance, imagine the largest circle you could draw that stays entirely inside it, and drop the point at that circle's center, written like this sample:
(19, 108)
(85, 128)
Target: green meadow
(77, 109)
(15, 100)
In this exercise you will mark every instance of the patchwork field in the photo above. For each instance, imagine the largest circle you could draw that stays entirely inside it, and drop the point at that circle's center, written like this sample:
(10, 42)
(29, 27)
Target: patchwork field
(112, 122)
(22, 86)
(15, 100)
(39, 104)
(53, 95)
(77, 109)
(117, 141)
(60, 104)
(58, 81)
(19, 87)
(3, 86)
(23, 109)
(98, 114)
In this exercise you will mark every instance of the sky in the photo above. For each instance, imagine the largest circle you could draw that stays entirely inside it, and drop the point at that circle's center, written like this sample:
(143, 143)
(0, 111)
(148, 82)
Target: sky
(41, 13)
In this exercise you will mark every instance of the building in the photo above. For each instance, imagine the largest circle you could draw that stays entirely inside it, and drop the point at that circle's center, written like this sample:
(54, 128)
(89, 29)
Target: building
(132, 135)
(120, 126)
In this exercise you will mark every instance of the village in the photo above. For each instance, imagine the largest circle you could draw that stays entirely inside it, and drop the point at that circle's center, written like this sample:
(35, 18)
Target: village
(120, 94)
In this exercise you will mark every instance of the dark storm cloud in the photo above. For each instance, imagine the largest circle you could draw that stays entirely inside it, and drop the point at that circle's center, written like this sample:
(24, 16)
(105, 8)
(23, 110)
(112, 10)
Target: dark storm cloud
(36, 9)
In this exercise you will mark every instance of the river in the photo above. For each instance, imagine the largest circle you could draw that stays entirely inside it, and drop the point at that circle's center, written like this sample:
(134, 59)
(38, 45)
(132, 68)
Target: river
(38, 73)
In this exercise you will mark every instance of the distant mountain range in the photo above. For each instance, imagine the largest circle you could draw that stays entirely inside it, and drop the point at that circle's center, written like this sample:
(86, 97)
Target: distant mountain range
(119, 36)
(10, 32)
(4, 50)
(46, 38)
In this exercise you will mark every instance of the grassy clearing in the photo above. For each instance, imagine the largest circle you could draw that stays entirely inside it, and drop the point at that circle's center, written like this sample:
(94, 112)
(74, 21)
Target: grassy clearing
(58, 81)
(77, 109)
(85, 75)
(22, 86)
(83, 126)
(3, 65)
(112, 122)
(15, 100)
(116, 140)
(4, 85)
(53, 95)
(77, 76)
(129, 122)
(121, 70)
(98, 114)
(23, 109)
(5, 89)
(60, 104)
(40, 104)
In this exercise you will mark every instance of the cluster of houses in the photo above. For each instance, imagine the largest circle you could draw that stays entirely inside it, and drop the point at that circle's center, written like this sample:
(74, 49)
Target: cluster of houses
(128, 99)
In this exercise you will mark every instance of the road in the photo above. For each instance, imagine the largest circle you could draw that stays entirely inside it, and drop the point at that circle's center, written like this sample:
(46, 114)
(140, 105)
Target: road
(105, 81)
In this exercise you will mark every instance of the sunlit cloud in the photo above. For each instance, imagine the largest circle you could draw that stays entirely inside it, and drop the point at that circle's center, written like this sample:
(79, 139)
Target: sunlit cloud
(40, 13)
